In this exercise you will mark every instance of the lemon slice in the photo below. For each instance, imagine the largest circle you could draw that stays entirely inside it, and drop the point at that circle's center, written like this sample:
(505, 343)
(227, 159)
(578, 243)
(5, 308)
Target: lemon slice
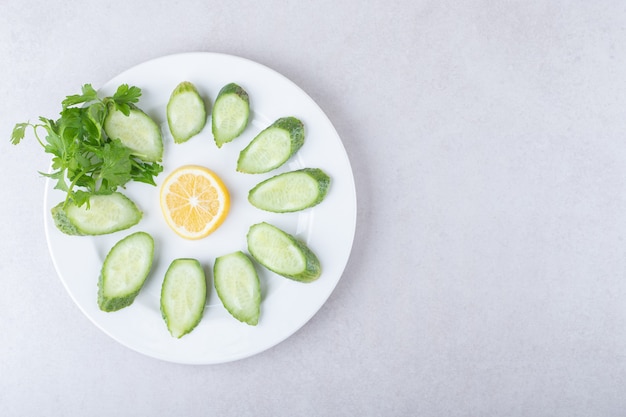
(194, 201)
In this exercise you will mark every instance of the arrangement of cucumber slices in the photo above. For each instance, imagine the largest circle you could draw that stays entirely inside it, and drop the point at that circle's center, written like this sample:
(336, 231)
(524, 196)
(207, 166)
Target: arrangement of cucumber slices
(184, 288)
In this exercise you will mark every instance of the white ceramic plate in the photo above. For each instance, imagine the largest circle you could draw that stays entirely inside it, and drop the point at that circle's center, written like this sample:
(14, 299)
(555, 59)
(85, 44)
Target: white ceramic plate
(328, 229)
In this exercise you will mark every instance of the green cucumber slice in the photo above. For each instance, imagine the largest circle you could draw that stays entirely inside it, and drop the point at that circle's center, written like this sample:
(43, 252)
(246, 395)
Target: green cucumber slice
(230, 114)
(291, 191)
(104, 214)
(183, 296)
(124, 271)
(282, 253)
(272, 147)
(137, 131)
(238, 287)
(186, 112)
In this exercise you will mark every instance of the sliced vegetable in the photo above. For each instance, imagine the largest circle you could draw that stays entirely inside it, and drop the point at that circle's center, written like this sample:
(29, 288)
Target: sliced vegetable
(186, 112)
(183, 296)
(291, 191)
(238, 287)
(124, 271)
(102, 214)
(282, 253)
(137, 131)
(272, 147)
(230, 114)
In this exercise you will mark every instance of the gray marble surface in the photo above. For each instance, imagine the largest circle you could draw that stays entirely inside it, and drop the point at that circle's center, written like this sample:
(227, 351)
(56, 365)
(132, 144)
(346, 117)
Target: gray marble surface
(488, 145)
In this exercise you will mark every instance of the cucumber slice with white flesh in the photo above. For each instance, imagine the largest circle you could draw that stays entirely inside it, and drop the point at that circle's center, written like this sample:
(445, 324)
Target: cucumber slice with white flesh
(230, 114)
(103, 214)
(186, 112)
(137, 131)
(124, 271)
(291, 191)
(282, 253)
(238, 287)
(183, 296)
(272, 147)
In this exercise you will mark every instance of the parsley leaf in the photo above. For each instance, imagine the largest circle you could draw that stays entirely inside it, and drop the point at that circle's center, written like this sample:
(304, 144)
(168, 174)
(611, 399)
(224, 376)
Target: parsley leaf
(88, 94)
(85, 161)
(116, 164)
(124, 97)
(18, 133)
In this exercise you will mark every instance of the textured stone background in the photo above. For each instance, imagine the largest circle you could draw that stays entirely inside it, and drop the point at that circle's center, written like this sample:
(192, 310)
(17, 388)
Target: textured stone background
(488, 144)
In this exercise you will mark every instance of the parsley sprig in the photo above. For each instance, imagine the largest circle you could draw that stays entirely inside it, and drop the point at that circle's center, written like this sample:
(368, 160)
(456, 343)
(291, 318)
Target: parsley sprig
(85, 160)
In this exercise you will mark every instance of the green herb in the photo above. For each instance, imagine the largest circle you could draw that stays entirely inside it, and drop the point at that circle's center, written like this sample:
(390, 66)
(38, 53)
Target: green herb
(85, 160)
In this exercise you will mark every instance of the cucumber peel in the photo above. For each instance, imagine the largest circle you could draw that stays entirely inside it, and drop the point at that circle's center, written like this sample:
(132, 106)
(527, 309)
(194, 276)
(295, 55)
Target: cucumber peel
(282, 253)
(272, 147)
(103, 214)
(231, 112)
(124, 271)
(238, 287)
(291, 191)
(186, 112)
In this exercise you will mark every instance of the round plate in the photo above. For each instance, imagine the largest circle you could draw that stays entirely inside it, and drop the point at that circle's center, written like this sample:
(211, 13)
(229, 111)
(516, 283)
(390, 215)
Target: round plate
(328, 228)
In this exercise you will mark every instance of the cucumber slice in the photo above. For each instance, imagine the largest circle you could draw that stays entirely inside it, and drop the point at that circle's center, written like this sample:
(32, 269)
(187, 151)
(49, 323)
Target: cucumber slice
(230, 114)
(291, 191)
(105, 214)
(238, 287)
(186, 112)
(124, 271)
(183, 296)
(282, 253)
(137, 131)
(272, 147)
